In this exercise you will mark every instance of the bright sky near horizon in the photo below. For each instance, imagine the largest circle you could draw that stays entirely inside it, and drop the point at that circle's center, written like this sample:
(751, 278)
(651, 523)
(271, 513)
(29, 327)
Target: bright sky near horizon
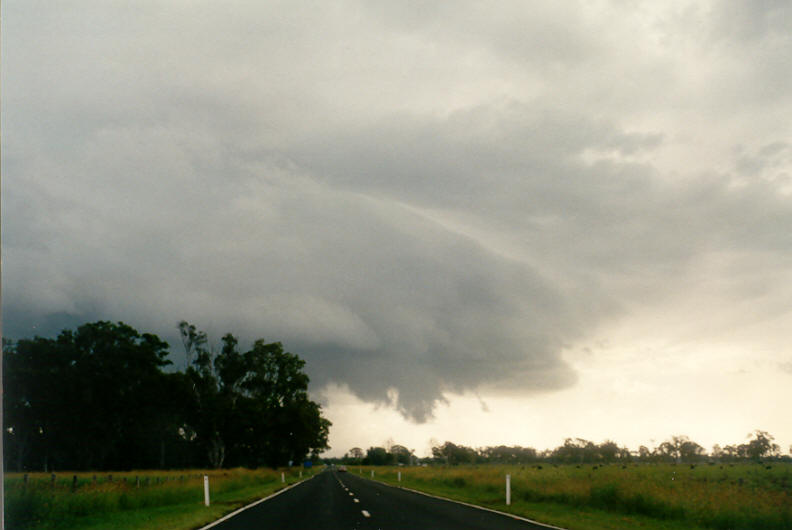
(487, 223)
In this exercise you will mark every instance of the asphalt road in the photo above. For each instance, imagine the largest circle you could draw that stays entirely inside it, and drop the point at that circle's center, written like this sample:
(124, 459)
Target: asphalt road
(336, 501)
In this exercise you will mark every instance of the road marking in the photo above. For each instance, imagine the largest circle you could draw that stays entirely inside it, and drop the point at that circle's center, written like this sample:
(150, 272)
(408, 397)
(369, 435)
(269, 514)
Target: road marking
(510, 515)
(365, 513)
(351, 494)
(252, 504)
(357, 500)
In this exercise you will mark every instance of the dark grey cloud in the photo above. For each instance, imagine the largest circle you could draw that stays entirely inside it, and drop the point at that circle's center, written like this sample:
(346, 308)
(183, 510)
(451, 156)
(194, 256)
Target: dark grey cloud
(751, 21)
(422, 200)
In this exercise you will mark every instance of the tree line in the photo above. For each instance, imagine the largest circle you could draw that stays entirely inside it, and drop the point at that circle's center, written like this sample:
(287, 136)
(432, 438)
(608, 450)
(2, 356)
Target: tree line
(760, 446)
(100, 397)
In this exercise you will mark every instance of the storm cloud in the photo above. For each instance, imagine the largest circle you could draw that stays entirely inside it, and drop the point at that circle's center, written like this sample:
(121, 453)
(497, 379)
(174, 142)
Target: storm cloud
(421, 199)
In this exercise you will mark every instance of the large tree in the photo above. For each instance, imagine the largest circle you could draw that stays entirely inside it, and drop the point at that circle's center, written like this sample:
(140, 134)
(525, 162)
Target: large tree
(98, 398)
(251, 407)
(93, 398)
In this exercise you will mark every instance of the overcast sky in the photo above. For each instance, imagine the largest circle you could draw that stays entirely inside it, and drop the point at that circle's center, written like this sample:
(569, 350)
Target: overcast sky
(488, 223)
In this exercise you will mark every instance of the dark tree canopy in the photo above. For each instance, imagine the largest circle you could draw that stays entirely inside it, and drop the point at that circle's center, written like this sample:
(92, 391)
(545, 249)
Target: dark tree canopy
(98, 398)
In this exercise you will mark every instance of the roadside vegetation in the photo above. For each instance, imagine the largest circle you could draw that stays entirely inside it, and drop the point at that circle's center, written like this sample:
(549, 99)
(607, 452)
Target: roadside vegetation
(100, 398)
(652, 496)
(135, 500)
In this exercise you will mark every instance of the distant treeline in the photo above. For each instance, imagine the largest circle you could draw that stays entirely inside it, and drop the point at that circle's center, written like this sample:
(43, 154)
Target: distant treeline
(574, 451)
(98, 398)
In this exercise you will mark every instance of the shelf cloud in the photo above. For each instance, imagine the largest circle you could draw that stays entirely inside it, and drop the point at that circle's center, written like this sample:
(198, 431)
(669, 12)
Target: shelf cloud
(418, 200)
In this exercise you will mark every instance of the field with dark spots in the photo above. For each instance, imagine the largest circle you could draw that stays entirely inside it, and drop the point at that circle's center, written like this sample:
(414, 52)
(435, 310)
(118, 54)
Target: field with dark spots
(745, 496)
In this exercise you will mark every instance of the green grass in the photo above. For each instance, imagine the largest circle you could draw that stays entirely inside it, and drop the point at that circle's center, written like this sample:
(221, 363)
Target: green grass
(744, 496)
(175, 501)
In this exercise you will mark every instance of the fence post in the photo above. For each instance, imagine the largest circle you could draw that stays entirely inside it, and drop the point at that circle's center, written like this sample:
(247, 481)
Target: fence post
(508, 490)
(74, 483)
(206, 490)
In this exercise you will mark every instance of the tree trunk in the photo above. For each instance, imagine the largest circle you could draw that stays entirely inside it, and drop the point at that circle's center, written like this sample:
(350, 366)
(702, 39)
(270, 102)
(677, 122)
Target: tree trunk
(216, 452)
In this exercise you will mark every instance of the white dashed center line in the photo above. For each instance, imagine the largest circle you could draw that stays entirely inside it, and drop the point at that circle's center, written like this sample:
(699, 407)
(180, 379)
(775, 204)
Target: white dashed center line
(356, 500)
(365, 513)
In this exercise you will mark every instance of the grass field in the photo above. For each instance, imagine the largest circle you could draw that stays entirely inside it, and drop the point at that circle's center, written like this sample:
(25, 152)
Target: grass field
(134, 500)
(654, 497)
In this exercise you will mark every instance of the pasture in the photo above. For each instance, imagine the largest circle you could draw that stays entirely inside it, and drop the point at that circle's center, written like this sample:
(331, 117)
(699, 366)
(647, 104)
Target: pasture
(134, 499)
(652, 496)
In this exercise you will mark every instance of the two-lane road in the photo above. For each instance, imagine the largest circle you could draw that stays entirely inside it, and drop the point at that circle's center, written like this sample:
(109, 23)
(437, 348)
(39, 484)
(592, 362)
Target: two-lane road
(343, 501)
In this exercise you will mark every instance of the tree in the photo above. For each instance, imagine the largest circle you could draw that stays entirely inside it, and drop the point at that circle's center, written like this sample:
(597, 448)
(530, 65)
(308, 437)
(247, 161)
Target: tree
(205, 411)
(609, 451)
(378, 456)
(680, 448)
(503, 454)
(251, 407)
(690, 451)
(98, 398)
(355, 455)
(94, 398)
(400, 453)
(761, 446)
(577, 450)
(454, 454)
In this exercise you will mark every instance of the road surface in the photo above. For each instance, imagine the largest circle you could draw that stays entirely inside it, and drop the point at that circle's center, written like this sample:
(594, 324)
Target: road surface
(344, 501)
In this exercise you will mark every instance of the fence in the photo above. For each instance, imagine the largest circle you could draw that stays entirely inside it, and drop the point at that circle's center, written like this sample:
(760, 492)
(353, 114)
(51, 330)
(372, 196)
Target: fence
(129, 480)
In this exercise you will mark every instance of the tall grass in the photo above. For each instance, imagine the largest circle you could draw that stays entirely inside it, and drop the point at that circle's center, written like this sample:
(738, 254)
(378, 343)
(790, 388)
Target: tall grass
(38, 501)
(743, 496)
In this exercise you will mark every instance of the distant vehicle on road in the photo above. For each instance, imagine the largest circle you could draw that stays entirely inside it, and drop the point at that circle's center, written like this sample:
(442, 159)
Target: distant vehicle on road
(342, 468)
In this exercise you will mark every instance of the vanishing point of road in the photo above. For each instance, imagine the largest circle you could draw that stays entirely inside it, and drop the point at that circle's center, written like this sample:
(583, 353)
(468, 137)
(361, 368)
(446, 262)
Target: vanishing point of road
(343, 501)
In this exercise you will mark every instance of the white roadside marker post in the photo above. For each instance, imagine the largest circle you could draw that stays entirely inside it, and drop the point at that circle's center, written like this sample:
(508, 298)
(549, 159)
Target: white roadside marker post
(399, 476)
(372, 473)
(283, 478)
(508, 490)
(206, 490)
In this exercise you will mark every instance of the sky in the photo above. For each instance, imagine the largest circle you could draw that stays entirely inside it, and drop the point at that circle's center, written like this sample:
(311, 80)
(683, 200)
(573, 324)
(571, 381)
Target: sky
(505, 223)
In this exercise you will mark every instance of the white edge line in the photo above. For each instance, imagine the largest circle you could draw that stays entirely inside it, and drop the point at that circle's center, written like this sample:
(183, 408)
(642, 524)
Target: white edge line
(513, 516)
(252, 504)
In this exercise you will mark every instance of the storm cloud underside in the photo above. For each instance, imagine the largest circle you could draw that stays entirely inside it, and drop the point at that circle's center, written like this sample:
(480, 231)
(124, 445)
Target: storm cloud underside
(417, 200)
